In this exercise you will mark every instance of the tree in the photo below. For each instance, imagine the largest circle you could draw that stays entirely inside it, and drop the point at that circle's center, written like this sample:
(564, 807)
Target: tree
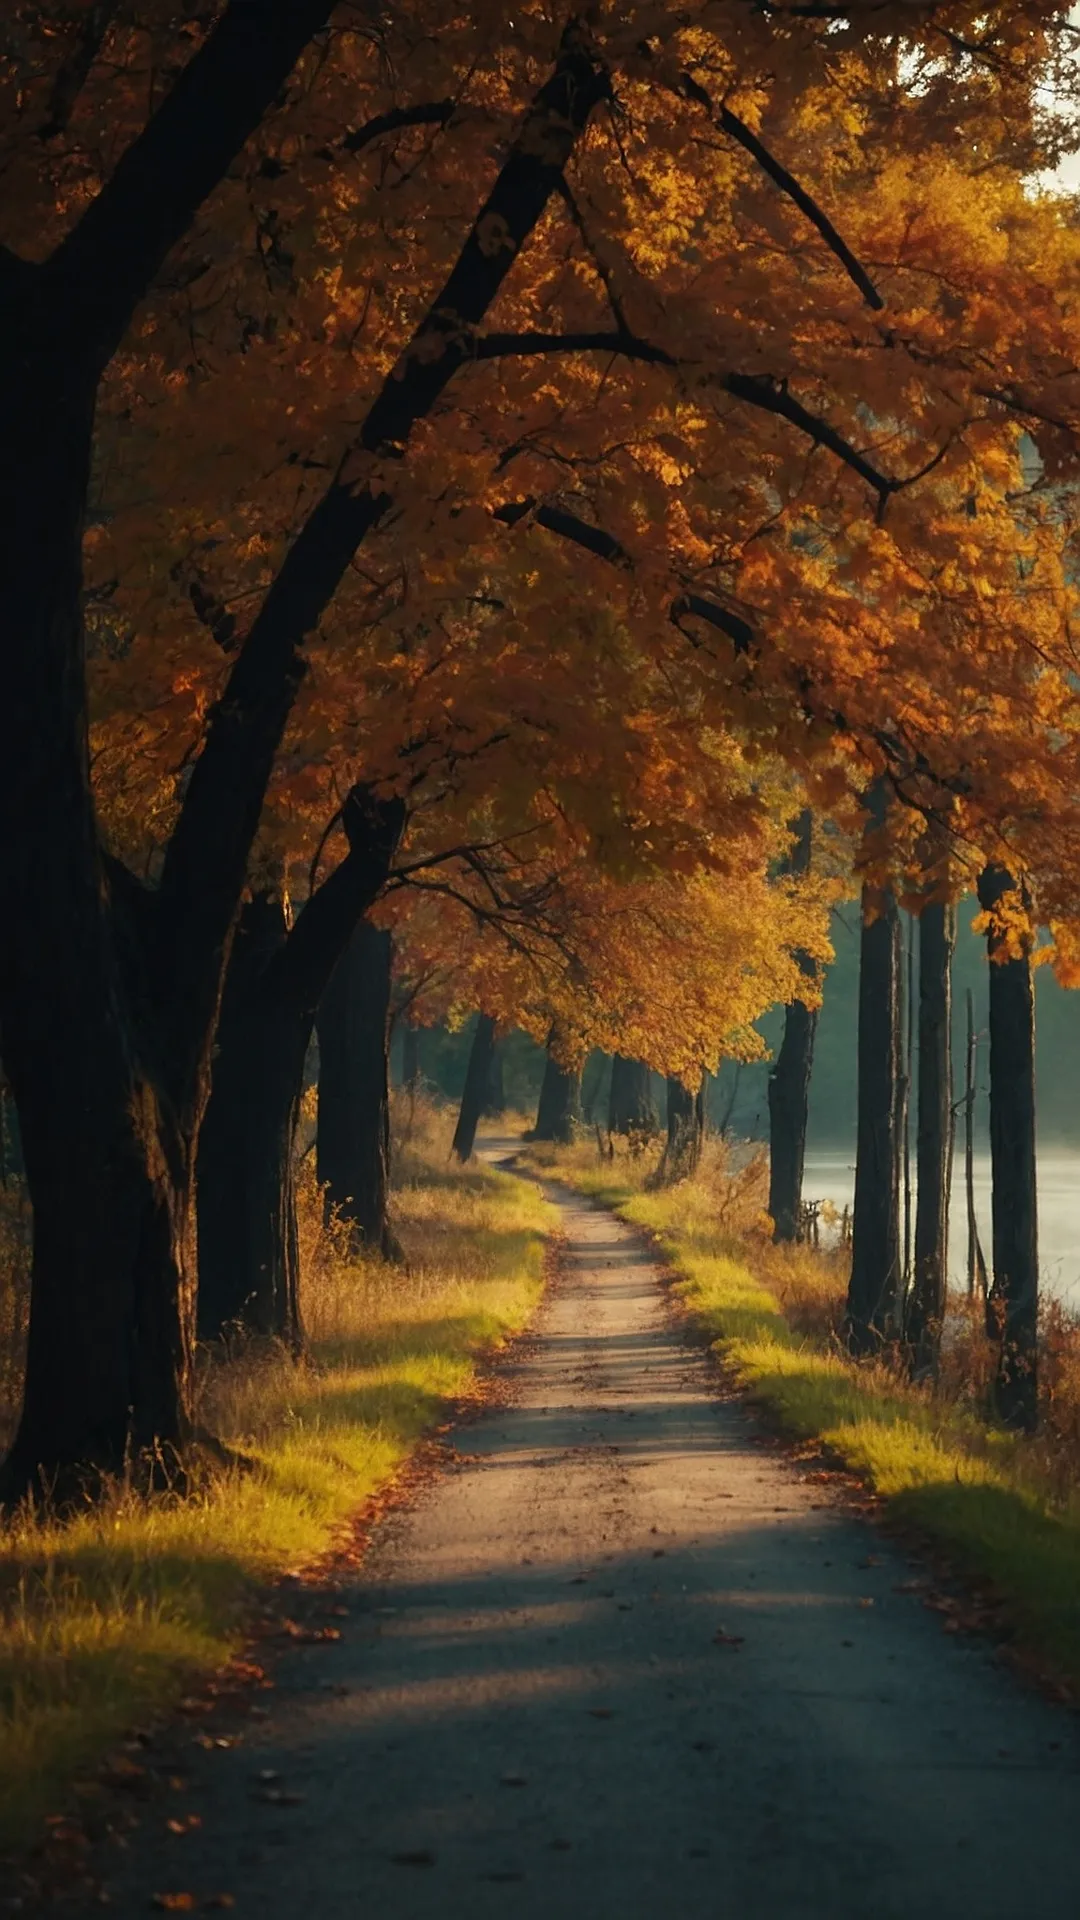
(630, 1106)
(559, 1109)
(789, 1080)
(477, 1083)
(277, 981)
(353, 1138)
(1013, 1300)
(928, 1298)
(874, 1288)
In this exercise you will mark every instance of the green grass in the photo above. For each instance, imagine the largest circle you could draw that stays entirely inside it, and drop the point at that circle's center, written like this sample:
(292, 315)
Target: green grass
(106, 1619)
(984, 1495)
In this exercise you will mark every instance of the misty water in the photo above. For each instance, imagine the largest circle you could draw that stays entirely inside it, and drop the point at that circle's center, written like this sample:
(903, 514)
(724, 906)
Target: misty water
(831, 1176)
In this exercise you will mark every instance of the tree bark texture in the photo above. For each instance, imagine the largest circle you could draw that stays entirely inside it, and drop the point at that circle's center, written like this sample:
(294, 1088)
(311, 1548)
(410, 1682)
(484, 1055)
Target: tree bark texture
(1013, 1302)
(685, 1129)
(276, 981)
(559, 1106)
(873, 1291)
(353, 1141)
(476, 1091)
(630, 1106)
(925, 1315)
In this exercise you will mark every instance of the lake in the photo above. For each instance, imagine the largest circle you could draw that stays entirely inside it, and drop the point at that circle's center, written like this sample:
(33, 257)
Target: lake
(830, 1175)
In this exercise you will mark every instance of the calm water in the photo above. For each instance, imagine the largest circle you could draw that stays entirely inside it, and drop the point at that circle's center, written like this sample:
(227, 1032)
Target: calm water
(831, 1176)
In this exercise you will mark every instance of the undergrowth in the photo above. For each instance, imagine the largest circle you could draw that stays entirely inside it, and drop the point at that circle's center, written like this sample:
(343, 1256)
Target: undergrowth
(1007, 1508)
(105, 1618)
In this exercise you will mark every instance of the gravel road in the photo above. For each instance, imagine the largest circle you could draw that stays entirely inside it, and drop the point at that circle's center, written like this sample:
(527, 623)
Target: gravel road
(624, 1659)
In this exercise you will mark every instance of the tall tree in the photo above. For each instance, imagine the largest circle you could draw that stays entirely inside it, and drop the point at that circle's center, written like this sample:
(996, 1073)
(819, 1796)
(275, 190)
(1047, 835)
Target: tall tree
(789, 1080)
(558, 1109)
(926, 1303)
(277, 979)
(352, 1151)
(630, 1103)
(1013, 1300)
(477, 1086)
(874, 1286)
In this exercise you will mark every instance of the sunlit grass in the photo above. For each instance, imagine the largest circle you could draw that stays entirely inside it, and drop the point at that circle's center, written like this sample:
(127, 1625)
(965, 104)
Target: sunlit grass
(1007, 1508)
(105, 1618)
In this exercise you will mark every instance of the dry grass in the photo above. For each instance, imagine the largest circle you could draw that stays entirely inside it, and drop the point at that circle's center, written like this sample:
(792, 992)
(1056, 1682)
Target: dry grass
(1007, 1507)
(104, 1619)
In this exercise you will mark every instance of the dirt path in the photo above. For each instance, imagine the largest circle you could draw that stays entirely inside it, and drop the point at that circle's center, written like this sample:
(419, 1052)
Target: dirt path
(541, 1722)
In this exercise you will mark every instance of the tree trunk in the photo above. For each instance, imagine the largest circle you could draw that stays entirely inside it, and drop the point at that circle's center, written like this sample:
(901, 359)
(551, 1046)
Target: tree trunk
(875, 1247)
(630, 1107)
(1013, 1304)
(789, 1101)
(685, 1129)
(976, 1263)
(495, 1092)
(247, 1214)
(106, 1147)
(477, 1084)
(934, 1138)
(560, 1103)
(248, 1253)
(353, 1142)
(789, 1080)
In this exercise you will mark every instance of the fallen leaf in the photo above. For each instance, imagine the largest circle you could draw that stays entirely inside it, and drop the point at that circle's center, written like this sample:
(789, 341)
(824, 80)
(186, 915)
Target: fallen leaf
(187, 1823)
(174, 1902)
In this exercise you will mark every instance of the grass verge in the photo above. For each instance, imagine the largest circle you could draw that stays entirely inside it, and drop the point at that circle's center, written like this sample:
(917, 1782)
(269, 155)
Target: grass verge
(1006, 1509)
(107, 1619)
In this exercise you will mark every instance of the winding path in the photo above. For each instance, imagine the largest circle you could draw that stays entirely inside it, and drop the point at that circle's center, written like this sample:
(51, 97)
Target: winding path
(622, 1662)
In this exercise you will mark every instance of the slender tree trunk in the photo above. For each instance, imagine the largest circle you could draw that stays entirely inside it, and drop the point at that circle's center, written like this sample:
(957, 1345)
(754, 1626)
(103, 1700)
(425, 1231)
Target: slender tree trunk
(875, 1247)
(560, 1103)
(630, 1105)
(495, 1091)
(248, 1256)
(934, 1137)
(477, 1084)
(685, 1129)
(976, 1263)
(353, 1143)
(907, 1028)
(789, 1080)
(1013, 1304)
(789, 1101)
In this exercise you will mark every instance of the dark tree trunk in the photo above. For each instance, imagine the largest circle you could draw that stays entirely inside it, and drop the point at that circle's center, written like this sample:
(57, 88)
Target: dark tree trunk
(1013, 1303)
(873, 1291)
(353, 1142)
(630, 1106)
(247, 1211)
(789, 1080)
(592, 1086)
(495, 1095)
(934, 1138)
(560, 1103)
(106, 1144)
(410, 1059)
(685, 1129)
(248, 1258)
(477, 1084)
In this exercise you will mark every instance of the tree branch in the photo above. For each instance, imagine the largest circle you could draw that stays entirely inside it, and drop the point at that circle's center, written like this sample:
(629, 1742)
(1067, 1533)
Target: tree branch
(106, 264)
(432, 113)
(737, 129)
(206, 860)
